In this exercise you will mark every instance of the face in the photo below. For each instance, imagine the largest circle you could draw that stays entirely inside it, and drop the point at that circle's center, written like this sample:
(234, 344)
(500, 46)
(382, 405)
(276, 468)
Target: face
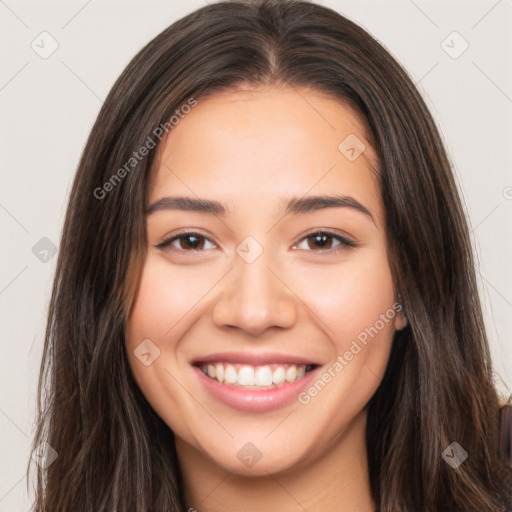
(263, 320)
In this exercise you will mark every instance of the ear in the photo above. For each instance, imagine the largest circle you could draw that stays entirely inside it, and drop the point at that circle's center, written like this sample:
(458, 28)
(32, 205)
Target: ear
(400, 321)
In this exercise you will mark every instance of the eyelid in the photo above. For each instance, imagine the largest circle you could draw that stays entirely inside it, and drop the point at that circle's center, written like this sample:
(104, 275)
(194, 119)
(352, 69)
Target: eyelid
(168, 240)
(344, 241)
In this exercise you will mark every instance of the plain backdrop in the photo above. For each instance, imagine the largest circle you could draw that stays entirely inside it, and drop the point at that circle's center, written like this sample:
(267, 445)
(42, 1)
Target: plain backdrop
(459, 54)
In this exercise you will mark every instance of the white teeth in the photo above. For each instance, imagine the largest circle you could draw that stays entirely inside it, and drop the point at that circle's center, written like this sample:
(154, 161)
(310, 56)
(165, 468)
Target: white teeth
(246, 376)
(254, 376)
(230, 375)
(263, 376)
(219, 370)
(279, 375)
(291, 373)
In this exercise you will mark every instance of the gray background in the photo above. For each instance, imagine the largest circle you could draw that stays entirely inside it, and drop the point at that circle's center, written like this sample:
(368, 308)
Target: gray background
(49, 105)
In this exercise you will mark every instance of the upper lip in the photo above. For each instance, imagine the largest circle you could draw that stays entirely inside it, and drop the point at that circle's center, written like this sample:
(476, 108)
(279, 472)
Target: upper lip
(254, 358)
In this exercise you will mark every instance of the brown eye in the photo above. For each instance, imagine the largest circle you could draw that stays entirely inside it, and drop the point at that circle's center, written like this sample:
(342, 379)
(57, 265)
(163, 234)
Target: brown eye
(188, 242)
(322, 241)
(191, 242)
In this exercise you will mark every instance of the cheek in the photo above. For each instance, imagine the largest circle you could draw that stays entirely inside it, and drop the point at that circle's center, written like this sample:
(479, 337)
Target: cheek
(349, 297)
(166, 295)
(355, 304)
(163, 313)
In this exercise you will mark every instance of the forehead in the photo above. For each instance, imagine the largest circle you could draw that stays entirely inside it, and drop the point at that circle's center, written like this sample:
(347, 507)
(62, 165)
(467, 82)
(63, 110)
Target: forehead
(260, 145)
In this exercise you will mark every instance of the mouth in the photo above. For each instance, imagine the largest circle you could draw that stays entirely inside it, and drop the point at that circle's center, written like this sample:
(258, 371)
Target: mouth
(246, 376)
(256, 383)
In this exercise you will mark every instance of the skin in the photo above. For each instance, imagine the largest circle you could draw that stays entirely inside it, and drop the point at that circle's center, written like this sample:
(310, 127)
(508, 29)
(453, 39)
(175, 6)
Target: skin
(252, 149)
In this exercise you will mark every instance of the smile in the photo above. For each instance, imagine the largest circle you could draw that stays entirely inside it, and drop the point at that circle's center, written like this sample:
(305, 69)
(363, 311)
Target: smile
(247, 376)
(256, 383)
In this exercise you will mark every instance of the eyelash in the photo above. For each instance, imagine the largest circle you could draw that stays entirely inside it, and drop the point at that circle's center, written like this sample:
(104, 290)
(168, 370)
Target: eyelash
(344, 242)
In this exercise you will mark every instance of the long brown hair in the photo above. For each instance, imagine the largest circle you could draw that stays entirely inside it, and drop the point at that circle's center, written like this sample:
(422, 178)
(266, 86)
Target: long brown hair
(114, 452)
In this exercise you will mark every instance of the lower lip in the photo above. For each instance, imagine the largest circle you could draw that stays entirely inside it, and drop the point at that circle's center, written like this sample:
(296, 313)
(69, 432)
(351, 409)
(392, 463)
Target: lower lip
(255, 400)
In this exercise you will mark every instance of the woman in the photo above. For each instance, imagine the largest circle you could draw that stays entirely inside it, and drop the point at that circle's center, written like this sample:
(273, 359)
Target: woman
(265, 296)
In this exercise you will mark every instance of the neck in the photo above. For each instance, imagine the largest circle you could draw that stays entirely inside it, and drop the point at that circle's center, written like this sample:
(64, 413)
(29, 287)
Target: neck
(335, 480)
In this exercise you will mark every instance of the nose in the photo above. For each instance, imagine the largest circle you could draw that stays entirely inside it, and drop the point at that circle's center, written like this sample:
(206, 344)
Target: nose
(255, 297)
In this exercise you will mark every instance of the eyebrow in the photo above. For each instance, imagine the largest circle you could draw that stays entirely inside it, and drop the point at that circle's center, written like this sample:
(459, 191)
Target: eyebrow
(294, 205)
